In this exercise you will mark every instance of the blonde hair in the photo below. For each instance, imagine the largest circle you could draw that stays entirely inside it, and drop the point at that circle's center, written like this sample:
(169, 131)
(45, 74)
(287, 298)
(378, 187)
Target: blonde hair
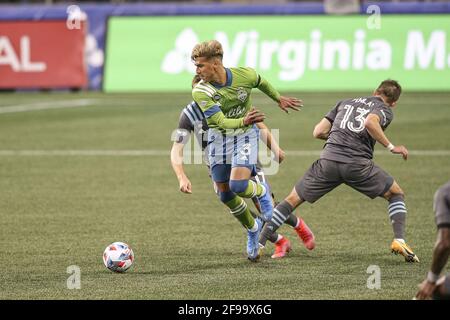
(208, 49)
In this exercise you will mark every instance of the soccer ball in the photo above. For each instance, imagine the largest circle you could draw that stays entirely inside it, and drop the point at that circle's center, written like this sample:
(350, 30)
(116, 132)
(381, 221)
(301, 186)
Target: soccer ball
(118, 257)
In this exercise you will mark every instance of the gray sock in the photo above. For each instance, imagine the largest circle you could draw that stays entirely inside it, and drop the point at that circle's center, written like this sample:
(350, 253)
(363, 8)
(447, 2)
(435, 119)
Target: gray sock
(292, 220)
(397, 215)
(273, 237)
(280, 214)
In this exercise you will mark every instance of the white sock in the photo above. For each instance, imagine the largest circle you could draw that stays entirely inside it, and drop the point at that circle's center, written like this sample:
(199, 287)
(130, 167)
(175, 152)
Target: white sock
(264, 190)
(279, 238)
(401, 240)
(255, 227)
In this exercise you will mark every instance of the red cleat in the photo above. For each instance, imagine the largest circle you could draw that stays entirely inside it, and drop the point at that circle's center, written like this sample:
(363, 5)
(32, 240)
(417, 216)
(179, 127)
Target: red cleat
(282, 247)
(305, 233)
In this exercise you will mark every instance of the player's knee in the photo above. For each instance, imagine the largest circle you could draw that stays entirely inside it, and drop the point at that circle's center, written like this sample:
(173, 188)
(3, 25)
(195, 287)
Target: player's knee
(395, 190)
(238, 186)
(226, 196)
(396, 197)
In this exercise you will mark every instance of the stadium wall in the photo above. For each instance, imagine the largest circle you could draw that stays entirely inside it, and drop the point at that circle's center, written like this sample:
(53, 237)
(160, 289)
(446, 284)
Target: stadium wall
(432, 33)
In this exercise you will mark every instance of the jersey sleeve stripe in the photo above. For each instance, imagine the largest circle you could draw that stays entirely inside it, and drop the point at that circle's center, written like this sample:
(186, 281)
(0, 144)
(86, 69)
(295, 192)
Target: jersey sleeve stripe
(197, 89)
(258, 81)
(212, 111)
(206, 88)
(189, 115)
(192, 113)
(198, 112)
(210, 87)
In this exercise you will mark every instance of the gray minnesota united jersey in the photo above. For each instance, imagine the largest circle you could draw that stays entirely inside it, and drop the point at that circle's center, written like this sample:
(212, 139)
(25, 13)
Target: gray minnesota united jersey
(192, 120)
(349, 141)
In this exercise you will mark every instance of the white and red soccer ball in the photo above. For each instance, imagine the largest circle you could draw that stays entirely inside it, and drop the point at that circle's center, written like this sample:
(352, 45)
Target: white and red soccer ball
(118, 257)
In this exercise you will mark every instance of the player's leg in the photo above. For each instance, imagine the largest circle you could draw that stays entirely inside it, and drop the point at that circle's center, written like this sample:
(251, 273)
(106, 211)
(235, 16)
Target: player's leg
(240, 184)
(219, 157)
(397, 215)
(244, 160)
(369, 179)
(261, 178)
(321, 178)
(297, 223)
(282, 212)
(282, 244)
(238, 208)
(397, 209)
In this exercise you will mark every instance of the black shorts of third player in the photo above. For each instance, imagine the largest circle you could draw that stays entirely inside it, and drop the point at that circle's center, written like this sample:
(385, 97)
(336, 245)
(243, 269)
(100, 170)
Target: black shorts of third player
(325, 175)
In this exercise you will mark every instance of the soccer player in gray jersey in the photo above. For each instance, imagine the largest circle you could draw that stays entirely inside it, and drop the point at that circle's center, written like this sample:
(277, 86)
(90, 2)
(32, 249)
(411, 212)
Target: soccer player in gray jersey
(433, 286)
(351, 129)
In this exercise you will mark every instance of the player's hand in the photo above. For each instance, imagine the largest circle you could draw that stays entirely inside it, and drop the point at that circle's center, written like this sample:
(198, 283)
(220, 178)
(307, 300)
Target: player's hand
(287, 103)
(426, 289)
(401, 150)
(280, 155)
(185, 185)
(253, 116)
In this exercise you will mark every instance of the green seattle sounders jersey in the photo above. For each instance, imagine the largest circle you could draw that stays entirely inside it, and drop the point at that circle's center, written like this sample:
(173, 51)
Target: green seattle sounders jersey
(226, 106)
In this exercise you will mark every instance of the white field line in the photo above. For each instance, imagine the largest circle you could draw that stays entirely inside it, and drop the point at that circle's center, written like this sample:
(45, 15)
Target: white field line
(47, 105)
(300, 153)
(120, 153)
(110, 153)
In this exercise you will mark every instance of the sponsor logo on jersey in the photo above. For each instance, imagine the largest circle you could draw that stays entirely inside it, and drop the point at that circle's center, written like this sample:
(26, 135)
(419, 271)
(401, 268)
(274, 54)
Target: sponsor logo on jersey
(235, 112)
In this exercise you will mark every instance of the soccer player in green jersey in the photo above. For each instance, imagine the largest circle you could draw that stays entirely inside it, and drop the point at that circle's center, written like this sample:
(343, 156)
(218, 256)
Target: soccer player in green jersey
(223, 95)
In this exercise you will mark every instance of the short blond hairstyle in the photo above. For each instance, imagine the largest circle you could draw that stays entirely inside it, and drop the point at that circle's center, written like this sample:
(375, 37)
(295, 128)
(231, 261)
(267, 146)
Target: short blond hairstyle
(208, 49)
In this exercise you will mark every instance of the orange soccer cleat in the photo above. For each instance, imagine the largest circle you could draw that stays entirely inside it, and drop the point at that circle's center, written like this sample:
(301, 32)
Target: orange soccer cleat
(399, 246)
(282, 247)
(306, 235)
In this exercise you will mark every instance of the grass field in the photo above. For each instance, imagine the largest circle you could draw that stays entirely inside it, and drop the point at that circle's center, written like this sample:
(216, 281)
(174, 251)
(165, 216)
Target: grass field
(62, 207)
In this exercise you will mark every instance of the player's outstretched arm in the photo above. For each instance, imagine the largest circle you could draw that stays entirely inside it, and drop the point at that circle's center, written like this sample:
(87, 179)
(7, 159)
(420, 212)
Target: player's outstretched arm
(287, 103)
(440, 257)
(176, 159)
(373, 126)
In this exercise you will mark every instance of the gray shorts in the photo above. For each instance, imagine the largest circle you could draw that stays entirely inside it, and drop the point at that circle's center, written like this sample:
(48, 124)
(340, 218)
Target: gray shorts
(325, 175)
(442, 206)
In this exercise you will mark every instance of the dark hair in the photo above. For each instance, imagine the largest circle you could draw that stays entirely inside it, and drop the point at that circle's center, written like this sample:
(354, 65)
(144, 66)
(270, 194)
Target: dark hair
(196, 79)
(391, 89)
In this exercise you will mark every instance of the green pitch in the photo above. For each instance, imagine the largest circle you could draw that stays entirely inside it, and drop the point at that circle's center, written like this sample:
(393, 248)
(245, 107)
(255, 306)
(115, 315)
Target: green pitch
(67, 192)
